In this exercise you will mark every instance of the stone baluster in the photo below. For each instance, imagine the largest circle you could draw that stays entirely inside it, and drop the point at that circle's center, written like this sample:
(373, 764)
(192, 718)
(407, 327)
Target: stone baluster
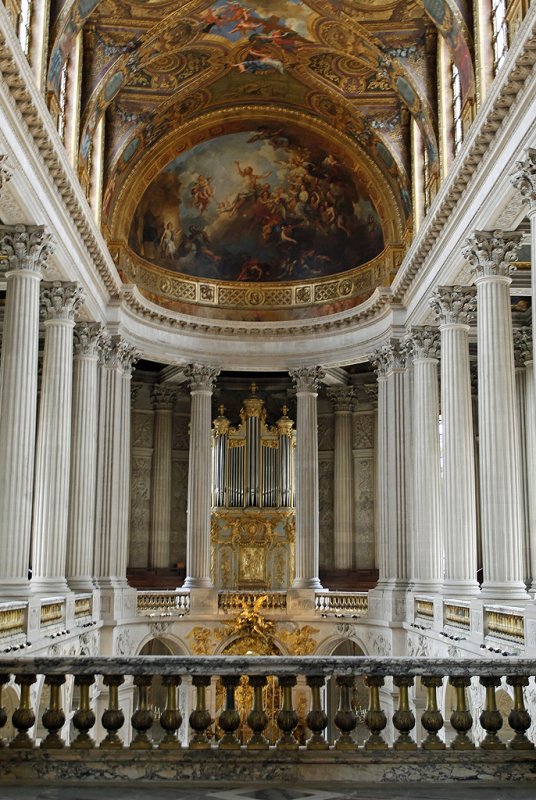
(345, 717)
(83, 717)
(317, 719)
(375, 719)
(163, 397)
(200, 717)
(455, 305)
(403, 718)
(343, 497)
(26, 249)
(257, 717)
(229, 720)
(491, 255)
(306, 381)
(88, 340)
(287, 718)
(60, 302)
(23, 717)
(519, 718)
(427, 540)
(54, 716)
(432, 718)
(112, 718)
(461, 718)
(142, 719)
(201, 380)
(171, 717)
(393, 553)
(113, 463)
(491, 718)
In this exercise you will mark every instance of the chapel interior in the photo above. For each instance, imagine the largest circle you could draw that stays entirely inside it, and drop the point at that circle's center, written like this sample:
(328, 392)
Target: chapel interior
(266, 374)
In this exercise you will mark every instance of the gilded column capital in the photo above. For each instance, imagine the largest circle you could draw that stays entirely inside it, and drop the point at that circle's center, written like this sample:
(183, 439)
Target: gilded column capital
(5, 171)
(88, 338)
(163, 396)
(454, 304)
(200, 377)
(389, 357)
(522, 345)
(524, 178)
(60, 300)
(306, 379)
(25, 246)
(422, 341)
(342, 397)
(491, 253)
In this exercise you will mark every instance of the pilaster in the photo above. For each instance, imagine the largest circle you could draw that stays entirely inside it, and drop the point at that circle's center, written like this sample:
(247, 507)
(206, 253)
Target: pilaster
(491, 255)
(342, 398)
(306, 381)
(455, 306)
(201, 380)
(26, 249)
(163, 399)
(59, 304)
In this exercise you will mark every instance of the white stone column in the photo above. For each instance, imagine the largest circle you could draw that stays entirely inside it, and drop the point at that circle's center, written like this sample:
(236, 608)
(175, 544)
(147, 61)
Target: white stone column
(26, 249)
(88, 340)
(342, 398)
(306, 381)
(427, 538)
(201, 380)
(530, 434)
(113, 463)
(454, 306)
(491, 255)
(393, 560)
(524, 443)
(59, 304)
(159, 555)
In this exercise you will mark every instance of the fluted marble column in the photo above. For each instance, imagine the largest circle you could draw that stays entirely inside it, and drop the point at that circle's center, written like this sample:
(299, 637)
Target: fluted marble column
(201, 380)
(454, 306)
(491, 255)
(88, 340)
(26, 249)
(427, 537)
(525, 441)
(393, 553)
(343, 495)
(163, 397)
(113, 463)
(59, 304)
(306, 380)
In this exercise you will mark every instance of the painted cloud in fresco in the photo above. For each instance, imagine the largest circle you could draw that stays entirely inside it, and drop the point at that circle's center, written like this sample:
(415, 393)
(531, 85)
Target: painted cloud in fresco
(260, 205)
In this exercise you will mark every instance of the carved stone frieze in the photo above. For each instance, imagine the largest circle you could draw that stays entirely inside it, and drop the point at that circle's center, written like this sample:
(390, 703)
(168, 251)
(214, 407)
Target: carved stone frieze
(88, 338)
(524, 178)
(60, 300)
(492, 252)
(423, 342)
(326, 432)
(142, 428)
(140, 511)
(5, 171)
(25, 246)
(522, 346)
(180, 438)
(200, 377)
(363, 431)
(454, 304)
(342, 397)
(307, 379)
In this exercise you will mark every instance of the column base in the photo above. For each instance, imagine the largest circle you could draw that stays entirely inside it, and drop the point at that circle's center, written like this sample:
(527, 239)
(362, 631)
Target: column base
(83, 585)
(18, 588)
(433, 587)
(455, 589)
(49, 587)
(499, 591)
(307, 583)
(197, 583)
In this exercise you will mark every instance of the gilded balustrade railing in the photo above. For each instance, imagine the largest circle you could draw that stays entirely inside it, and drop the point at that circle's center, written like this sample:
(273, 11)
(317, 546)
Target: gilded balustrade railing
(342, 603)
(162, 601)
(235, 601)
(379, 675)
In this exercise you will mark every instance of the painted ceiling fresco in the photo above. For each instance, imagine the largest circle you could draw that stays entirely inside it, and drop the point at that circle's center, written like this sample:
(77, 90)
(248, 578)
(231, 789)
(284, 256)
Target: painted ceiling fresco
(156, 69)
(260, 205)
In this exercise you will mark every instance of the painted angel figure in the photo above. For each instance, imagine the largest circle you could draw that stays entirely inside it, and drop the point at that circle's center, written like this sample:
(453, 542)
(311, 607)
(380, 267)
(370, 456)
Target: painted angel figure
(202, 193)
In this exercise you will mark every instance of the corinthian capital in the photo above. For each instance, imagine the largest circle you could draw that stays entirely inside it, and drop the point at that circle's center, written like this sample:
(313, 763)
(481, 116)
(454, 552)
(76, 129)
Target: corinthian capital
(88, 338)
(201, 378)
(389, 357)
(423, 341)
(342, 397)
(522, 346)
(60, 300)
(116, 352)
(164, 396)
(524, 178)
(25, 246)
(454, 304)
(5, 172)
(306, 379)
(492, 252)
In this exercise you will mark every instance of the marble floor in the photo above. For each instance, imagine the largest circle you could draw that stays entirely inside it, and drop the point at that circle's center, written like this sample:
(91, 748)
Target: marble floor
(318, 791)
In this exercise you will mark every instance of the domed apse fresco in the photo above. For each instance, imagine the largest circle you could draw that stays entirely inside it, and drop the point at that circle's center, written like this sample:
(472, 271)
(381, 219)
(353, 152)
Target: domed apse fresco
(261, 205)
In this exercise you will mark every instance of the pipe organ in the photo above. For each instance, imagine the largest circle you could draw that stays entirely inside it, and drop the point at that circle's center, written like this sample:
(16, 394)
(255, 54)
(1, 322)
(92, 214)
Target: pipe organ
(253, 516)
